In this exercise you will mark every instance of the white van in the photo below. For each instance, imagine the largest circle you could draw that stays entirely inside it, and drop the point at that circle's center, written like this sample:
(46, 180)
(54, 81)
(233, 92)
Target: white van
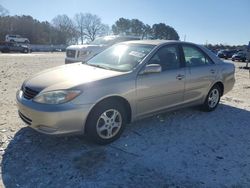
(82, 53)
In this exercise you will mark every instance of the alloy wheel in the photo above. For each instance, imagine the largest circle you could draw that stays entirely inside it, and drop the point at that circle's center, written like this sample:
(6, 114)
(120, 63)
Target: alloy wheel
(213, 98)
(109, 124)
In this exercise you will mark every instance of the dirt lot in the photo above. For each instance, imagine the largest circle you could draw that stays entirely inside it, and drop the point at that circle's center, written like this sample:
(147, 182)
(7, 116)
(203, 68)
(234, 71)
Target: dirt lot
(185, 148)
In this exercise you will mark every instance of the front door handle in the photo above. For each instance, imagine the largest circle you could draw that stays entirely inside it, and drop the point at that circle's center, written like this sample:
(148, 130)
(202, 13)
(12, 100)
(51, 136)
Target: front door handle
(180, 76)
(212, 71)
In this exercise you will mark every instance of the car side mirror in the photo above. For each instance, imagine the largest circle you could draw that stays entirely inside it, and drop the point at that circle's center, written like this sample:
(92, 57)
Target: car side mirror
(151, 68)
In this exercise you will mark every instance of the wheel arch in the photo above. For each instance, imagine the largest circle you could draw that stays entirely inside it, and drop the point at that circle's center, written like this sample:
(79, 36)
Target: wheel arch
(115, 98)
(221, 86)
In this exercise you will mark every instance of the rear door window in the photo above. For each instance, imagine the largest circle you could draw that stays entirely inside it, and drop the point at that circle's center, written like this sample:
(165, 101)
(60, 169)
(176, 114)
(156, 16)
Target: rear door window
(195, 57)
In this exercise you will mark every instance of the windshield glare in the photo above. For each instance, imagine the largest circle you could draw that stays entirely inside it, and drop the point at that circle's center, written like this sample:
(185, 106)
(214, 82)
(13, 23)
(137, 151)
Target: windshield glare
(103, 40)
(121, 57)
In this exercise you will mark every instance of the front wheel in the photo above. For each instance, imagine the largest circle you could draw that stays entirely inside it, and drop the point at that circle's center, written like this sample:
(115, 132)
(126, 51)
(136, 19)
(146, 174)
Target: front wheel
(213, 99)
(25, 51)
(106, 122)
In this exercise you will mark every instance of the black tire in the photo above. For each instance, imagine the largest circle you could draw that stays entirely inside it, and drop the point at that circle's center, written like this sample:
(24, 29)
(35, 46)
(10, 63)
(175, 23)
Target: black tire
(12, 40)
(95, 115)
(26, 41)
(25, 51)
(207, 105)
(5, 50)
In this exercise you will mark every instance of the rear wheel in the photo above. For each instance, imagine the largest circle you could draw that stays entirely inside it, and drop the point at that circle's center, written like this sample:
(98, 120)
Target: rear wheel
(106, 122)
(213, 99)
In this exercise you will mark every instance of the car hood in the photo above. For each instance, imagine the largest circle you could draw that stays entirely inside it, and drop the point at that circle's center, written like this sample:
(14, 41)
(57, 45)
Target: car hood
(67, 76)
(85, 47)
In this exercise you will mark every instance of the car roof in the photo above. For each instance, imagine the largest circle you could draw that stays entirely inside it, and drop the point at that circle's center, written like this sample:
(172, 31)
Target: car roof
(156, 42)
(117, 37)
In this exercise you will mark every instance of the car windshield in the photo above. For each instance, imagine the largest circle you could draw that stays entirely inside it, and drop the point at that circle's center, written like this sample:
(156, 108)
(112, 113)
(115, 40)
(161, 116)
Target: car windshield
(241, 53)
(108, 40)
(121, 57)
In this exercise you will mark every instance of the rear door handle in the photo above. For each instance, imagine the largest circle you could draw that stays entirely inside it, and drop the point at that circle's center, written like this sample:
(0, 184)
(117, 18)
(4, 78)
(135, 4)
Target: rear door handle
(180, 76)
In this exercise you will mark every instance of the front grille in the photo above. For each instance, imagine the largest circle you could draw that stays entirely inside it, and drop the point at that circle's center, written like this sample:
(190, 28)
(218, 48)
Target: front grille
(29, 93)
(70, 53)
(24, 118)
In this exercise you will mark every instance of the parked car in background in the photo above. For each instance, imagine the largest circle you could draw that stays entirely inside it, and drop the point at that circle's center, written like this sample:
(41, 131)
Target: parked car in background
(214, 51)
(226, 53)
(81, 53)
(248, 52)
(16, 38)
(126, 82)
(240, 56)
(6, 47)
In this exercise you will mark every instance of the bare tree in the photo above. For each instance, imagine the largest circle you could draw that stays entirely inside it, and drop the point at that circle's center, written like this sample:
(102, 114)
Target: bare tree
(79, 19)
(66, 27)
(105, 30)
(89, 26)
(3, 11)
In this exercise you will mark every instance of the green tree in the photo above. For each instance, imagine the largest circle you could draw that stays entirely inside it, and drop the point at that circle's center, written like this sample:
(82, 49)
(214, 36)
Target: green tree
(37, 32)
(136, 27)
(122, 26)
(147, 31)
(163, 31)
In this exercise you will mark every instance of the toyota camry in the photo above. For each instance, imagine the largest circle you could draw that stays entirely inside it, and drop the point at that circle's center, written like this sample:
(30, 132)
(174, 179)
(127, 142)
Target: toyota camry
(124, 83)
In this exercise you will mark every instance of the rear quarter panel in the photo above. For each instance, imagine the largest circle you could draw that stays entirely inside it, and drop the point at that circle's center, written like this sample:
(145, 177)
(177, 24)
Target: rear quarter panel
(225, 71)
(227, 75)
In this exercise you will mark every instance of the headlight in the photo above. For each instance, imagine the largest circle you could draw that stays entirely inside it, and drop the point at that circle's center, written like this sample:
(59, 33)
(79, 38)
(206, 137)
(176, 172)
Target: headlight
(57, 97)
(83, 53)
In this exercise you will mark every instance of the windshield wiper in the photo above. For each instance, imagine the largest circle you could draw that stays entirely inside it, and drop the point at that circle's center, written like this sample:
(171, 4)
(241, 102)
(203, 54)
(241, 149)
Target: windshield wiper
(99, 66)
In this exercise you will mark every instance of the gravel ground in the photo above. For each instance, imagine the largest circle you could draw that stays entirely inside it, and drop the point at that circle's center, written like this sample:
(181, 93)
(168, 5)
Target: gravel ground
(184, 148)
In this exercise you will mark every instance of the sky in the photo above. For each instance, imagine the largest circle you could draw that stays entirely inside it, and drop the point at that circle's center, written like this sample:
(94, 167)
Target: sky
(199, 21)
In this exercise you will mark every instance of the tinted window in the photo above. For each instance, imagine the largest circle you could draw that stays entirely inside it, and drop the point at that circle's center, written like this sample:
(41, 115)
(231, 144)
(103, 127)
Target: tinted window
(194, 57)
(167, 57)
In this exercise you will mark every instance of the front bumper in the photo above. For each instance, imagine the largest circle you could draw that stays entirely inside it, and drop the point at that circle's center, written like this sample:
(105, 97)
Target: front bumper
(59, 119)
